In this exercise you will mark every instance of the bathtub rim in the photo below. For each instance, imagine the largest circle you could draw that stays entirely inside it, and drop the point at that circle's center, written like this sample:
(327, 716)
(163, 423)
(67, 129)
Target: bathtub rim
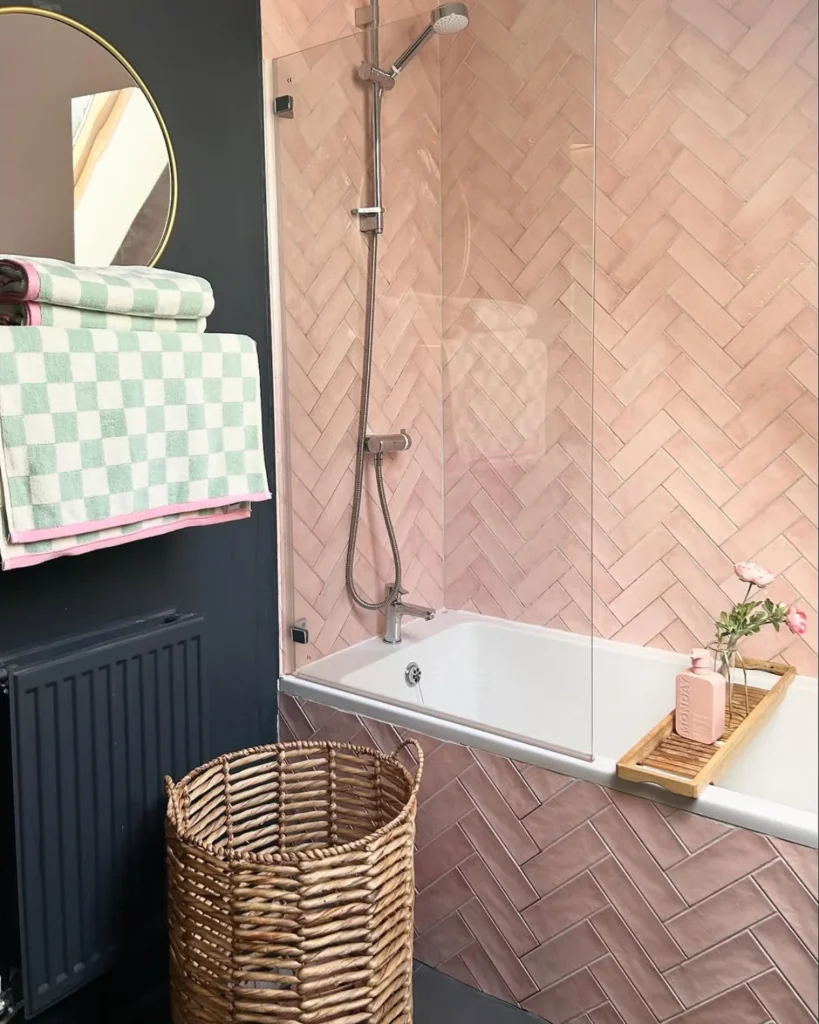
(717, 803)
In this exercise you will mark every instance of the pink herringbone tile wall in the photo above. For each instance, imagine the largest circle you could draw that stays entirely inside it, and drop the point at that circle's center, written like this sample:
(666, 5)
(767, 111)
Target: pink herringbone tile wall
(289, 26)
(704, 363)
(323, 158)
(591, 907)
(518, 171)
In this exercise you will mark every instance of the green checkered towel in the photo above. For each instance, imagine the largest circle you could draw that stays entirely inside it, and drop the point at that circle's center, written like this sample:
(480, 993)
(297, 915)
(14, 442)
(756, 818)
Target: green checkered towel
(103, 429)
(137, 291)
(17, 556)
(37, 314)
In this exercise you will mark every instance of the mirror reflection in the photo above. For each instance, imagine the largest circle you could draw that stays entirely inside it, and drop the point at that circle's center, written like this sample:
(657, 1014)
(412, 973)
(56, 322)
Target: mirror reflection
(87, 169)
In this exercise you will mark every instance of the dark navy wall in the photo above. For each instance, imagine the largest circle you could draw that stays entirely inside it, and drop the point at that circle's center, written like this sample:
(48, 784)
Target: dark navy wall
(202, 62)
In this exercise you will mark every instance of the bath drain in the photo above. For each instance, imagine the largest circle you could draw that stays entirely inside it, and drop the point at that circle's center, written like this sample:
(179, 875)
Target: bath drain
(412, 675)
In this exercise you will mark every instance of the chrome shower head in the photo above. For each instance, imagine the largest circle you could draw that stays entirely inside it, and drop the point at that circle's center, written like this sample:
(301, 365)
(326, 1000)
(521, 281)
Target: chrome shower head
(450, 19)
(444, 21)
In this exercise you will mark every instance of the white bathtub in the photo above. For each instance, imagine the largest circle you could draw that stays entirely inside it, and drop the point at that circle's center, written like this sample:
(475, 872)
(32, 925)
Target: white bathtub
(555, 699)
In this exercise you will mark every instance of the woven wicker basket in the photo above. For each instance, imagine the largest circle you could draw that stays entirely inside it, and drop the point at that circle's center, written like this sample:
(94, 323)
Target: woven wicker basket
(291, 886)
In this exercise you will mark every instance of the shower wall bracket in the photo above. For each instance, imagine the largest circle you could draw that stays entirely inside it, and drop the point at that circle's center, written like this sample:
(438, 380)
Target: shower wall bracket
(364, 17)
(370, 218)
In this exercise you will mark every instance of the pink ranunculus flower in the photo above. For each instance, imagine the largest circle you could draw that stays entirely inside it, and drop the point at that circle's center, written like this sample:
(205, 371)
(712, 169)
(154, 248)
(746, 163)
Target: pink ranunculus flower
(750, 572)
(797, 620)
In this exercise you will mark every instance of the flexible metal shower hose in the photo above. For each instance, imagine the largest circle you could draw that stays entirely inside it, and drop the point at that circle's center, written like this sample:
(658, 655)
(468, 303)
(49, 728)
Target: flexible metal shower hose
(361, 456)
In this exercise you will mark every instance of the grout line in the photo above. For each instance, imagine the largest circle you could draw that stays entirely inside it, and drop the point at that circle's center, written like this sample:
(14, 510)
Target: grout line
(786, 983)
(722, 888)
(631, 985)
(654, 860)
(711, 842)
(661, 974)
(457, 821)
(628, 875)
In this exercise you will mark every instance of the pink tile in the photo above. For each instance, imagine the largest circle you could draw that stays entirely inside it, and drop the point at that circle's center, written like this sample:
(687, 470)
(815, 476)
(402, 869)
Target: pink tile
(509, 781)
(605, 1014)
(444, 764)
(286, 734)
(635, 964)
(498, 905)
(440, 811)
(635, 859)
(485, 973)
(728, 859)
(563, 955)
(564, 907)
(720, 916)
(637, 914)
(793, 901)
(456, 968)
(562, 813)
(498, 950)
(804, 861)
(443, 941)
(620, 991)
(792, 959)
(651, 828)
(291, 711)
(445, 852)
(719, 969)
(779, 999)
(568, 998)
(739, 1006)
(499, 861)
(568, 857)
(441, 898)
(498, 813)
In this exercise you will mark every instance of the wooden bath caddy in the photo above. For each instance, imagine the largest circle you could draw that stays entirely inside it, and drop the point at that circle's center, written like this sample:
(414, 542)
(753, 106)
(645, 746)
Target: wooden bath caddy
(686, 767)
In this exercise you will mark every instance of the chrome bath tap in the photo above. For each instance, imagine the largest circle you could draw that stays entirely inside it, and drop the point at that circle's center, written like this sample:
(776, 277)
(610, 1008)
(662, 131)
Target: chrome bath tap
(395, 612)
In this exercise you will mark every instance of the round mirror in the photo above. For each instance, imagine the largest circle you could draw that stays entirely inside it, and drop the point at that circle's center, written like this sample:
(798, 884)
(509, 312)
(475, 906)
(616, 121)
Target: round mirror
(87, 169)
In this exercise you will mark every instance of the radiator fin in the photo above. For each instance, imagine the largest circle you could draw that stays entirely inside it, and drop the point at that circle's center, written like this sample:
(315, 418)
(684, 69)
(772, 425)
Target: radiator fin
(94, 732)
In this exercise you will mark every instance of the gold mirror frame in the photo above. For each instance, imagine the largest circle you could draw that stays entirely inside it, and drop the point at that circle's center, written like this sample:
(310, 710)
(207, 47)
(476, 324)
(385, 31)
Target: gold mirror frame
(54, 16)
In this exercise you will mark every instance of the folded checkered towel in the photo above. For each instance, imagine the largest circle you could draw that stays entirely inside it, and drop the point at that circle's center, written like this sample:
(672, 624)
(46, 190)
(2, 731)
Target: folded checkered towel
(42, 314)
(137, 291)
(16, 556)
(105, 429)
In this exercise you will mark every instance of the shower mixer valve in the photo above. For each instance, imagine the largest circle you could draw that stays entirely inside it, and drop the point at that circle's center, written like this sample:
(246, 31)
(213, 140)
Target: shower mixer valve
(380, 444)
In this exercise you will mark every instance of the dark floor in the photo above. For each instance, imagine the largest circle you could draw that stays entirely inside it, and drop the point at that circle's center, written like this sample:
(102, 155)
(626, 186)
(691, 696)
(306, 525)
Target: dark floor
(439, 999)
(443, 1000)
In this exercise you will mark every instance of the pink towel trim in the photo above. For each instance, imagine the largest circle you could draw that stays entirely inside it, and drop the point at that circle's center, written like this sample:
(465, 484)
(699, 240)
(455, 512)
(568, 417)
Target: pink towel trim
(34, 314)
(110, 542)
(73, 530)
(34, 283)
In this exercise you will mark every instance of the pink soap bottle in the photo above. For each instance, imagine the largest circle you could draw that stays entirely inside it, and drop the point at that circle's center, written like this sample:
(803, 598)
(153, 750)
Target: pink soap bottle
(700, 701)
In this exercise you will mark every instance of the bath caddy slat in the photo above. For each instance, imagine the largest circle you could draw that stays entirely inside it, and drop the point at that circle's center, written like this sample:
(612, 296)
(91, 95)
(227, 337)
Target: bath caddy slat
(686, 767)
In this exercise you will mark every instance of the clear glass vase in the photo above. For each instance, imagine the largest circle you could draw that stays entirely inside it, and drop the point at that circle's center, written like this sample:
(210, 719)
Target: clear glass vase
(728, 661)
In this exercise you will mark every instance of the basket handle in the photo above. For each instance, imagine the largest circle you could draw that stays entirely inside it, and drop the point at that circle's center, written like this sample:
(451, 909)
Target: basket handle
(173, 802)
(419, 757)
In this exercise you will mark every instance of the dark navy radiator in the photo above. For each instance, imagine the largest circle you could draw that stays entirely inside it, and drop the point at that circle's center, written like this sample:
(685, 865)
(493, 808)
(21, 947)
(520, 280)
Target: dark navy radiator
(95, 724)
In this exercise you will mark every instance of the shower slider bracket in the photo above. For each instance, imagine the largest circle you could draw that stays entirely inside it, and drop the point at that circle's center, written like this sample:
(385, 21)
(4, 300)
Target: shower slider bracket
(364, 17)
(377, 76)
(371, 218)
(380, 444)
